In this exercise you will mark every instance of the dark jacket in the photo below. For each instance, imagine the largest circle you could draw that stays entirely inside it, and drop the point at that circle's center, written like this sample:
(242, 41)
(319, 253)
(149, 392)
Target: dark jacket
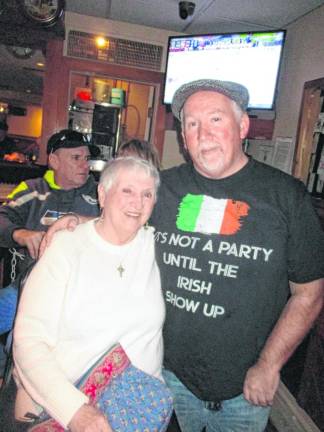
(35, 204)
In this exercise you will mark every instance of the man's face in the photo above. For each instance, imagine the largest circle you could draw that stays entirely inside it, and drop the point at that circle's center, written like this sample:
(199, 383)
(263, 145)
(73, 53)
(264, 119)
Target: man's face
(70, 166)
(213, 130)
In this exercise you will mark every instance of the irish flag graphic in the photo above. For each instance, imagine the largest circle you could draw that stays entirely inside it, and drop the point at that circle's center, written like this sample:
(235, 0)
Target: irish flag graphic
(204, 214)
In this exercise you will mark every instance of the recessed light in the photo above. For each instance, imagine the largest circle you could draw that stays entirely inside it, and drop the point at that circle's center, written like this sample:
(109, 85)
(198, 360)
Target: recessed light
(40, 64)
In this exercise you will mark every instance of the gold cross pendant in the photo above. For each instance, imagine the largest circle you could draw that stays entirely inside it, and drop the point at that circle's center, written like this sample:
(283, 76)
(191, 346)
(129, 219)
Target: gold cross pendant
(121, 270)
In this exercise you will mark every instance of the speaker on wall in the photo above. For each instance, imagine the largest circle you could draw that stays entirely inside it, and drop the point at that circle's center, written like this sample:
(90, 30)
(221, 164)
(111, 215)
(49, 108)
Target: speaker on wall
(105, 120)
(100, 139)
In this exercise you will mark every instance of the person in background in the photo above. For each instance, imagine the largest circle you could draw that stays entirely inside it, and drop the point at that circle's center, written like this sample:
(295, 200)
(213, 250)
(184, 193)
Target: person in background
(35, 204)
(135, 148)
(8, 148)
(241, 256)
(95, 287)
(139, 148)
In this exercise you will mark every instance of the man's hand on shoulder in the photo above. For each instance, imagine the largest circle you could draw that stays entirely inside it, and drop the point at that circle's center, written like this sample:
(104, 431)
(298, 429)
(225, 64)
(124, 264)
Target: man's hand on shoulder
(261, 383)
(29, 239)
(69, 221)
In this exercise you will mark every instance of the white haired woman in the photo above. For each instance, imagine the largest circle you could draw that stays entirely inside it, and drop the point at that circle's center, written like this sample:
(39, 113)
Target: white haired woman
(93, 288)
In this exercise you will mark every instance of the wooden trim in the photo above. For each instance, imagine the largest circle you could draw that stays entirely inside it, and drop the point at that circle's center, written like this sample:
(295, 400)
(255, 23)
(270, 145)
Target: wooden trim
(54, 87)
(319, 83)
(310, 108)
(287, 416)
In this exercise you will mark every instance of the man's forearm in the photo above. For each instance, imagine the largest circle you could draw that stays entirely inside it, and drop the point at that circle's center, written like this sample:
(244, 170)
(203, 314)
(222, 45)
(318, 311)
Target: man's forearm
(10, 220)
(6, 235)
(295, 321)
(262, 379)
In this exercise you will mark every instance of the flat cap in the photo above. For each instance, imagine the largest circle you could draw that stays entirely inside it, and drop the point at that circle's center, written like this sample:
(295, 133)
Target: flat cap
(235, 91)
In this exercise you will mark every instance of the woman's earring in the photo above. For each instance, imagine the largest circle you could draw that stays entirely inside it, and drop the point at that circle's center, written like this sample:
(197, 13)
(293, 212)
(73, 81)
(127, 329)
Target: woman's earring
(101, 214)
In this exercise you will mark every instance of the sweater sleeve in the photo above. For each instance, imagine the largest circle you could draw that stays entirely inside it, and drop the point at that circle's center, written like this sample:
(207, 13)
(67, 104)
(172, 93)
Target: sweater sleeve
(37, 332)
(14, 213)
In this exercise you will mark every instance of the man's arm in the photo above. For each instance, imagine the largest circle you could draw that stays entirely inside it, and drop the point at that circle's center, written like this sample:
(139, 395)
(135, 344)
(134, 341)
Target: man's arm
(29, 239)
(69, 221)
(13, 217)
(298, 316)
(14, 214)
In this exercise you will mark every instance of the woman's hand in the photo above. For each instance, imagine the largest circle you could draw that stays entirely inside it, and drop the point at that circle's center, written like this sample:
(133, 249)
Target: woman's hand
(89, 419)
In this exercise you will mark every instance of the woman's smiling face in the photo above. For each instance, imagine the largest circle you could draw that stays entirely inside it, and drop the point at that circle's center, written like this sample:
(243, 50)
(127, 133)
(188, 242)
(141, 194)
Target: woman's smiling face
(128, 204)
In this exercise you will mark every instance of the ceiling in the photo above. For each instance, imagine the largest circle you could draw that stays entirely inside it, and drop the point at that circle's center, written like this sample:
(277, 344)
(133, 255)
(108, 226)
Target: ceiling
(209, 16)
(21, 80)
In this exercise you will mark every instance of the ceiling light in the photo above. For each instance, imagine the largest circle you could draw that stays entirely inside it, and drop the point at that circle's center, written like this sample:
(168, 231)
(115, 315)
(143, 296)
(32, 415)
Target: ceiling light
(101, 42)
(40, 64)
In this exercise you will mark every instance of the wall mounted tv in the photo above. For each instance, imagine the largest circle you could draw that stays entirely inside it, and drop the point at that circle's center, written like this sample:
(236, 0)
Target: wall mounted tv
(251, 58)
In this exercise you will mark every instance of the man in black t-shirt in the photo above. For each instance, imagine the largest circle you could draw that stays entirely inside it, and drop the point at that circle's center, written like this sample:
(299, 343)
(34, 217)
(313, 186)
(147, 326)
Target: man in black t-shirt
(234, 240)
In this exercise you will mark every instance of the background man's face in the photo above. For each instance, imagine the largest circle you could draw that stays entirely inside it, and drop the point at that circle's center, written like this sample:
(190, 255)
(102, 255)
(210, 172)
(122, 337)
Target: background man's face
(71, 166)
(213, 130)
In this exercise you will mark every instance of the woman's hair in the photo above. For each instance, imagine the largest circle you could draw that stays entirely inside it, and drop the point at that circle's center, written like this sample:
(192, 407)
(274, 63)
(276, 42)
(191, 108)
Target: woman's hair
(141, 149)
(109, 173)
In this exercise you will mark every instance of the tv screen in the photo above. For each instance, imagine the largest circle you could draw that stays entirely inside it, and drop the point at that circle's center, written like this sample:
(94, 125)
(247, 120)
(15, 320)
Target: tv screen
(251, 59)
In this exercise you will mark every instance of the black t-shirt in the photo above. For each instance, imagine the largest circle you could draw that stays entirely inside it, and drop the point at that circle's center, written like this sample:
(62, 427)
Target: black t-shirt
(226, 251)
(7, 146)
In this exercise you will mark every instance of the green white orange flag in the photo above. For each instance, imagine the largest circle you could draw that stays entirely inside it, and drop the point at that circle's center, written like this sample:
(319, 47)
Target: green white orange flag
(204, 214)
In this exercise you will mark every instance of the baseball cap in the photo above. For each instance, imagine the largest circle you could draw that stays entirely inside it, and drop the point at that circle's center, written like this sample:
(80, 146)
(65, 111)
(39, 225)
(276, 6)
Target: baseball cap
(3, 125)
(67, 138)
(235, 91)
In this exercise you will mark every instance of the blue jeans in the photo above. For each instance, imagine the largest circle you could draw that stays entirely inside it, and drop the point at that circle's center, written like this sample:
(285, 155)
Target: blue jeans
(233, 415)
(8, 305)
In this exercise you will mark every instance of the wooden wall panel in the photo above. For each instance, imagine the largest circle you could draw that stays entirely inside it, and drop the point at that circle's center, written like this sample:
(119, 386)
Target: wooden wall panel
(260, 129)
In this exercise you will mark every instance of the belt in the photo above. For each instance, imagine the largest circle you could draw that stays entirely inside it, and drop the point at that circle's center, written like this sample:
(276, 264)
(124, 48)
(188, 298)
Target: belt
(213, 406)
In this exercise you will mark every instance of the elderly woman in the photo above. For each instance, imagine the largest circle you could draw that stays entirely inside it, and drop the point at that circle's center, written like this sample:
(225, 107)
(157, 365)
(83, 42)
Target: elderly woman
(92, 288)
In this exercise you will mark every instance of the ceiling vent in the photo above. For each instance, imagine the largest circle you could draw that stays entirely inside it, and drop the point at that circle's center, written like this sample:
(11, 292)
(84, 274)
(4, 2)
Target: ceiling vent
(123, 52)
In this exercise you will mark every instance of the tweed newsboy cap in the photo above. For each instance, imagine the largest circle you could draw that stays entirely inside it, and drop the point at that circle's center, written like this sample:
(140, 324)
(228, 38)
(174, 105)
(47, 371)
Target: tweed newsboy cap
(236, 92)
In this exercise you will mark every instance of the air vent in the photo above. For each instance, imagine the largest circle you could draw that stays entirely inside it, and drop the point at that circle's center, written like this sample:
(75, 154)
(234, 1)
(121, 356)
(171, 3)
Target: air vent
(118, 51)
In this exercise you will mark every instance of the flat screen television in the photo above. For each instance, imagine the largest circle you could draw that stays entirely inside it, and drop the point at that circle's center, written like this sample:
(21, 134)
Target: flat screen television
(251, 58)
